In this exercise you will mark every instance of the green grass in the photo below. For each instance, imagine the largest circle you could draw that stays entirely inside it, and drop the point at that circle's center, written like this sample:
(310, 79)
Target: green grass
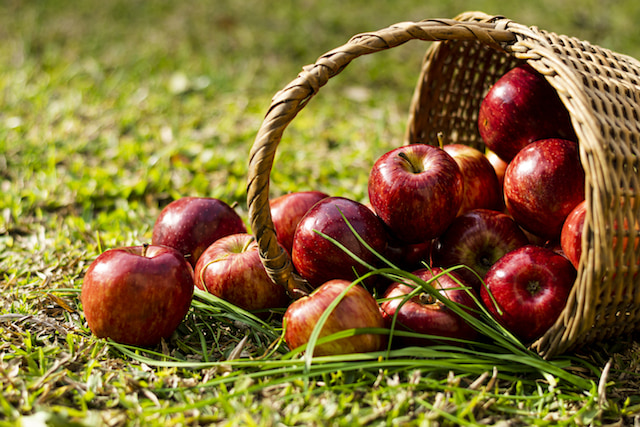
(112, 109)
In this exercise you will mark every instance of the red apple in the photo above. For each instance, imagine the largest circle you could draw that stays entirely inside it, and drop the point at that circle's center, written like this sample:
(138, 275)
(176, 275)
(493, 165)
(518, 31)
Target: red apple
(416, 190)
(357, 309)
(409, 256)
(424, 313)
(530, 286)
(231, 269)
(522, 107)
(572, 230)
(191, 224)
(137, 295)
(477, 239)
(288, 209)
(571, 235)
(543, 184)
(317, 259)
(481, 186)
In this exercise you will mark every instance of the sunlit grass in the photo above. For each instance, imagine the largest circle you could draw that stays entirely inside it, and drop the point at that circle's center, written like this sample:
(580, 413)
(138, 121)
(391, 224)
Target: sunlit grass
(112, 109)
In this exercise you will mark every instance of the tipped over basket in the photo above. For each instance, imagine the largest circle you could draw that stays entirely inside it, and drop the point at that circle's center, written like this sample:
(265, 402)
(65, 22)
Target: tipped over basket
(601, 91)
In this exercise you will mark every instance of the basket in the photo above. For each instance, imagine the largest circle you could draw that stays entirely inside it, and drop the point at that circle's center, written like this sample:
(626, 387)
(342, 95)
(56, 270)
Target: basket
(600, 89)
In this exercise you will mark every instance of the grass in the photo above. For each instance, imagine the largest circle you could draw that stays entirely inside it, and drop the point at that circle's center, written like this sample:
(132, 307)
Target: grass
(112, 109)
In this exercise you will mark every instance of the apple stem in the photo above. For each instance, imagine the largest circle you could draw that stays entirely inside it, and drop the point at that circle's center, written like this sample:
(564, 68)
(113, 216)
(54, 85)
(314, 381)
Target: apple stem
(145, 246)
(441, 139)
(404, 157)
(247, 243)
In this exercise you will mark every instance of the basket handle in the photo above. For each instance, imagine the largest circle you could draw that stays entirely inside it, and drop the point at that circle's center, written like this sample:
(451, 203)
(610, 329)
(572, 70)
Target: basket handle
(288, 102)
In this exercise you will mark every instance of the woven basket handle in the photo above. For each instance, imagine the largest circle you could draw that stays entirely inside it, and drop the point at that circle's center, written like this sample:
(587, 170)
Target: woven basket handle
(292, 99)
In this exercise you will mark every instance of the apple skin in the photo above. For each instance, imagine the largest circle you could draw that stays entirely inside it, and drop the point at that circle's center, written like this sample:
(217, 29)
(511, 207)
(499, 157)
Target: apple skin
(482, 189)
(357, 309)
(191, 224)
(137, 295)
(231, 269)
(288, 209)
(571, 234)
(416, 190)
(317, 259)
(425, 314)
(531, 286)
(409, 256)
(477, 239)
(522, 107)
(572, 230)
(543, 184)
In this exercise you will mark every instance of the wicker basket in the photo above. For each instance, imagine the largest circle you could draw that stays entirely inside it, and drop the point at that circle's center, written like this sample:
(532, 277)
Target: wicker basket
(601, 90)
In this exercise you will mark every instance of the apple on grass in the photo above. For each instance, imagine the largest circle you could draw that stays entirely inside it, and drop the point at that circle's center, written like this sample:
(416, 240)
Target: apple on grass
(425, 314)
(482, 189)
(542, 185)
(527, 289)
(357, 309)
(288, 209)
(317, 259)
(522, 107)
(231, 269)
(416, 190)
(137, 295)
(191, 224)
(477, 239)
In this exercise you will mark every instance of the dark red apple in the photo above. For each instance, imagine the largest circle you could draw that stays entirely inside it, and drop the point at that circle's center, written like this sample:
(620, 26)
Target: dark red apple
(425, 314)
(357, 309)
(530, 286)
(543, 184)
(482, 190)
(191, 224)
(522, 107)
(288, 209)
(416, 190)
(231, 269)
(317, 259)
(137, 295)
(477, 239)
(409, 256)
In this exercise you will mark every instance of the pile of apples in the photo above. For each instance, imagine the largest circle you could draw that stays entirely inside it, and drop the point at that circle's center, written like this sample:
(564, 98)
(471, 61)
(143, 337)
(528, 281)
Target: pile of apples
(510, 218)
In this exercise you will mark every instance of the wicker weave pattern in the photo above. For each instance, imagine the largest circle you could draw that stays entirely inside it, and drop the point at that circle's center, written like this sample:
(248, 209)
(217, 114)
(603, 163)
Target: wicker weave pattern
(601, 90)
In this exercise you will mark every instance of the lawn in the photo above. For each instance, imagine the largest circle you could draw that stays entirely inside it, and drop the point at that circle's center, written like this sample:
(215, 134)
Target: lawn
(110, 110)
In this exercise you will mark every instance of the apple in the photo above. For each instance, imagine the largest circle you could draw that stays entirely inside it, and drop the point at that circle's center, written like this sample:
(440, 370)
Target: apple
(521, 107)
(572, 231)
(416, 190)
(542, 185)
(191, 224)
(482, 188)
(231, 269)
(571, 234)
(137, 295)
(288, 209)
(424, 313)
(530, 286)
(477, 239)
(408, 256)
(357, 309)
(317, 259)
